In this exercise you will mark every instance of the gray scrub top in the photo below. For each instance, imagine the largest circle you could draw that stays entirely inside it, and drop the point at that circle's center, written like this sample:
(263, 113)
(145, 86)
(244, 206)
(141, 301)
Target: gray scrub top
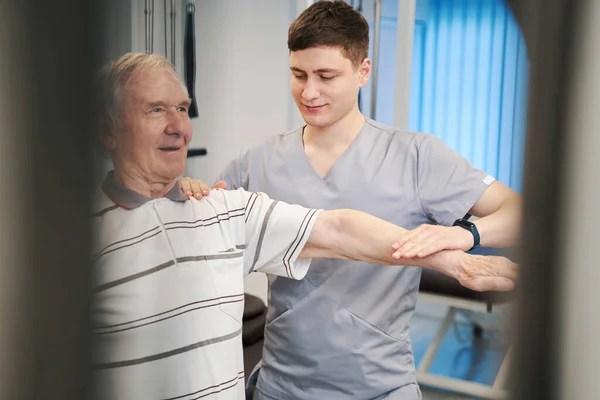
(343, 331)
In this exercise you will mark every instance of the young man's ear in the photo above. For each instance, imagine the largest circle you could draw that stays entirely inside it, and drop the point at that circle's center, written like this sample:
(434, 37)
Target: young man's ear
(364, 72)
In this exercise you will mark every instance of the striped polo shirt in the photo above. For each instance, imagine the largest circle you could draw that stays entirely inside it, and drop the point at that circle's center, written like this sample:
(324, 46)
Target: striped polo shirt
(169, 294)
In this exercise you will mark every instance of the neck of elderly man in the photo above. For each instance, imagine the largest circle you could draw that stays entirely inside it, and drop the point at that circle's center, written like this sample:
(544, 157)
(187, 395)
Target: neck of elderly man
(152, 187)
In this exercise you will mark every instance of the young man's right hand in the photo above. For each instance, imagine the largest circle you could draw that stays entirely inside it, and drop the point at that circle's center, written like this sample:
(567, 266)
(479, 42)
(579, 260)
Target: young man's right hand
(427, 239)
(197, 188)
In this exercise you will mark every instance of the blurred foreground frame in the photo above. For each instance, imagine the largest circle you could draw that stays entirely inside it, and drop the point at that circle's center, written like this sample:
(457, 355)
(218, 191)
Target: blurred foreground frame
(549, 28)
(49, 50)
(48, 54)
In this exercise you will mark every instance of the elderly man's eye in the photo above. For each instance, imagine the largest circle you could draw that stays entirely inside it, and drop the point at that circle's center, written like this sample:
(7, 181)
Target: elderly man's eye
(156, 109)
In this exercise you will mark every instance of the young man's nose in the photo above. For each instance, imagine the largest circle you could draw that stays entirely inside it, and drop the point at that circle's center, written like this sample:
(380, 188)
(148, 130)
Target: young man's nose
(311, 90)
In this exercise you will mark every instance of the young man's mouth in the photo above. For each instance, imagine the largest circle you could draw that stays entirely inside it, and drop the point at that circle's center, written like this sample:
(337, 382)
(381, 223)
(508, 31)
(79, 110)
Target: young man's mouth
(314, 108)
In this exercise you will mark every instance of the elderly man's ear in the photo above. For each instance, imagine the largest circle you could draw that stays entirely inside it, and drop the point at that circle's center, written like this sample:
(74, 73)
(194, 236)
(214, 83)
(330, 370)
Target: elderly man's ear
(108, 141)
(105, 136)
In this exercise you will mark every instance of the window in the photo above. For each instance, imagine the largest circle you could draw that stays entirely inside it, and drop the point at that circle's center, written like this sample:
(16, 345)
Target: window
(469, 80)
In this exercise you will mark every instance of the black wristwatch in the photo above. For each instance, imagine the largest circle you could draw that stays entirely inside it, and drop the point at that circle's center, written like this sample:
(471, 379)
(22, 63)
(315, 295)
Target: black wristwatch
(468, 225)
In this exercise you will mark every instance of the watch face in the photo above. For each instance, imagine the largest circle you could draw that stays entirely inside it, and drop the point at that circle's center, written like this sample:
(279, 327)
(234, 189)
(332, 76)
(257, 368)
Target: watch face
(464, 223)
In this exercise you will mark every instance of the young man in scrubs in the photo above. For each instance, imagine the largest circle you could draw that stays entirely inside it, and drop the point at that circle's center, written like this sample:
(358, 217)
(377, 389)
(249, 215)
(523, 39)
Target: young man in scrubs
(342, 332)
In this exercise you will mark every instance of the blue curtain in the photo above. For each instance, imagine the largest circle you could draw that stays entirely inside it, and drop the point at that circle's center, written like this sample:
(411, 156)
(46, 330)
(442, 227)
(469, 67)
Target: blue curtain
(469, 81)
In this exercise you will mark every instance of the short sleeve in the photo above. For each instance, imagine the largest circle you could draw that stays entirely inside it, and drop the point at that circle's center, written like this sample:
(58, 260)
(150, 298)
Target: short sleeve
(448, 184)
(235, 173)
(274, 234)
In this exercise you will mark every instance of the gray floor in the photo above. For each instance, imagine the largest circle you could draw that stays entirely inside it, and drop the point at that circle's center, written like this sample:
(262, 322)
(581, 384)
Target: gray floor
(429, 394)
(458, 357)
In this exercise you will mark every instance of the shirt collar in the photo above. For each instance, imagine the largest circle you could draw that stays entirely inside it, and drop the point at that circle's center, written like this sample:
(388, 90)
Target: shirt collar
(130, 199)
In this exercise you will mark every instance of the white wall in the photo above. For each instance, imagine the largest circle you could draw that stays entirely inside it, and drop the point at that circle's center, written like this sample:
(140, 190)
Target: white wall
(242, 78)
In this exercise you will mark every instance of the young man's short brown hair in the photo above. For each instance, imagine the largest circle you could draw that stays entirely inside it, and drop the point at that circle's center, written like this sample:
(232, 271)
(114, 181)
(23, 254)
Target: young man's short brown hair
(332, 24)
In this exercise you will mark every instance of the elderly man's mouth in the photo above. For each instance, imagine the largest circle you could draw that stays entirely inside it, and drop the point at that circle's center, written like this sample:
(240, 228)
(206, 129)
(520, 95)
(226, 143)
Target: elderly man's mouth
(169, 149)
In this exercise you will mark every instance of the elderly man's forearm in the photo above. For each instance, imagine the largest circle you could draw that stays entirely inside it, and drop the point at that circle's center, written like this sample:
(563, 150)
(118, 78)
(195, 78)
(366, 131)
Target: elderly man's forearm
(355, 235)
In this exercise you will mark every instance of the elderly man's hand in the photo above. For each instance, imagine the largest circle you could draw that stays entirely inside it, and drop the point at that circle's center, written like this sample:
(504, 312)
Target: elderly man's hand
(482, 273)
(197, 188)
(429, 239)
(479, 273)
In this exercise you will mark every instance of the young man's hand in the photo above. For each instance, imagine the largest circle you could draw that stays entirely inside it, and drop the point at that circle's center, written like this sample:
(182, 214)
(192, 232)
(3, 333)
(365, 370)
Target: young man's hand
(197, 188)
(429, 239)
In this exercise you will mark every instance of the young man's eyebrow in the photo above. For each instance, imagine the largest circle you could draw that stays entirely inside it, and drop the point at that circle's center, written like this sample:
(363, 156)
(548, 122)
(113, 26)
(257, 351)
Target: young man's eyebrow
(318, 71)
(326, 70)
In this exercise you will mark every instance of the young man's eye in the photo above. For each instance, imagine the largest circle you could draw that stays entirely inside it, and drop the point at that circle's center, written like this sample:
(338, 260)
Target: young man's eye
(301, 77)
(327, 78)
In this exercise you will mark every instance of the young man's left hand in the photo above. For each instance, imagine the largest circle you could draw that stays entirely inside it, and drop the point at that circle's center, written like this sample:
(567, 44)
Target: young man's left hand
(197, 188)
(429, 239)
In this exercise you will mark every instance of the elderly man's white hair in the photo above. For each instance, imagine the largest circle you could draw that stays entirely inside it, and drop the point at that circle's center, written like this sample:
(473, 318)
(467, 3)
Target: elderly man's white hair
(113, 79)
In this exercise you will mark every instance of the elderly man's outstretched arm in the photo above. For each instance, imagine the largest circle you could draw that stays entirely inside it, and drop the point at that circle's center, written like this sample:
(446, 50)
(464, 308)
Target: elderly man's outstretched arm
(355, 235)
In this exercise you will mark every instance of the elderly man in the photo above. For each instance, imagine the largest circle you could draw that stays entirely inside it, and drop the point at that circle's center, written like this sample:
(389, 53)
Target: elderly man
(169, 271)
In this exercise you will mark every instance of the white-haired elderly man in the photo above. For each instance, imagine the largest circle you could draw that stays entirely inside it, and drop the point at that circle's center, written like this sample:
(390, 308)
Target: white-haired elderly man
(169, 271)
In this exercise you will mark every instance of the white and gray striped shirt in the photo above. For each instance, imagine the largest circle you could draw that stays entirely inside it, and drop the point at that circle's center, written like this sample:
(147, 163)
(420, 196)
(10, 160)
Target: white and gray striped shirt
(169, 292)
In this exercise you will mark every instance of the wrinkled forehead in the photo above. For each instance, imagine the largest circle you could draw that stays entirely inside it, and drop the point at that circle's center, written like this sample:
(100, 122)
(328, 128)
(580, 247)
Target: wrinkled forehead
(151, 85)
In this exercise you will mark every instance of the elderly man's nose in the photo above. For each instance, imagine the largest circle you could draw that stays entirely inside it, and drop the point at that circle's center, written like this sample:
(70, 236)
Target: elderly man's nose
(175, 124)
(173, 128)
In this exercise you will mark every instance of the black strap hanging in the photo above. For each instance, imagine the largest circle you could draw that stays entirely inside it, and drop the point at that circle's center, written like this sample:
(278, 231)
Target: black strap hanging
(189, 56)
